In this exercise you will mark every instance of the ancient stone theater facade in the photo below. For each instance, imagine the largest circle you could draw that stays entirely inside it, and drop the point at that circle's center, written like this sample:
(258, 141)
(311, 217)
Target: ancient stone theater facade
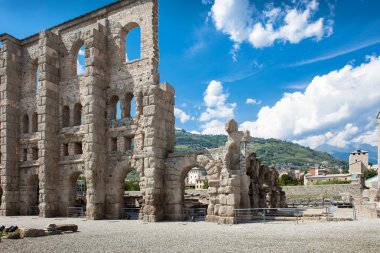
(66, 126)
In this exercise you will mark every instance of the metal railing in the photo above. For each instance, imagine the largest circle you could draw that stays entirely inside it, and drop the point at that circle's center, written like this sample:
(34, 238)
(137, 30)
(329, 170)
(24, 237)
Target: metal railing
(319, 203)
(266, 214)
(75, 212)
(115, 123)
(130, 213)
(194, 214)
(286, 214)
(33, 210)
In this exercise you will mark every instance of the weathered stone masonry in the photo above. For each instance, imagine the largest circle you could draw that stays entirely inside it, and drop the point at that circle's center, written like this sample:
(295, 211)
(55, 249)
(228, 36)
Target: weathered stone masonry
(66, 125)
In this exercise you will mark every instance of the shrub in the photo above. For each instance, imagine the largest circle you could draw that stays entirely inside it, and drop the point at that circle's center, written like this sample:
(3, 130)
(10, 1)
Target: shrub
(132, 184)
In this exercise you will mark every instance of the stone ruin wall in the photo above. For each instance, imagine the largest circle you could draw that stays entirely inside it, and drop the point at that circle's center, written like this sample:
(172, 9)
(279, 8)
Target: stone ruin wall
(107, 76)
(236, 179)
(59, 147)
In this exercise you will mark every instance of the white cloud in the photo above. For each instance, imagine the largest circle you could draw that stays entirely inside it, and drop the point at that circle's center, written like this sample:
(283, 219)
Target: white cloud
(341, 138)
(326, 110)
(314, 140)
(205, 2)
(252, 101)
(232, 17)
(194, 132)
(337, 53)
(213, 127)
(369, 137)
(81, 52)
(80, 69)
(181, 115)
(217, 109)
(288, 24)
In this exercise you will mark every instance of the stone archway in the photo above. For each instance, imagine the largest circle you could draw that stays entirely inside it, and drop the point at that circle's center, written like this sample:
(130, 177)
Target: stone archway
(69, 196)
(29, 191)
(33, 189)
(115, 187)
(178, 167)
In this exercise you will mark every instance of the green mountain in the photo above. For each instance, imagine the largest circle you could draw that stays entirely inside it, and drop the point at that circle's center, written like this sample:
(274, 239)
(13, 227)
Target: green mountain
(269, 151)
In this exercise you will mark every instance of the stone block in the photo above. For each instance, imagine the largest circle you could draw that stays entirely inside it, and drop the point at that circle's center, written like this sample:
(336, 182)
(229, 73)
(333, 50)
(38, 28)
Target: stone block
(31, 232)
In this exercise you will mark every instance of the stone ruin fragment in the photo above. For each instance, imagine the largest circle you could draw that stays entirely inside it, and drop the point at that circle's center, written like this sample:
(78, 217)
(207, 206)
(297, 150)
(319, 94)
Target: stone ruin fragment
(57, 125)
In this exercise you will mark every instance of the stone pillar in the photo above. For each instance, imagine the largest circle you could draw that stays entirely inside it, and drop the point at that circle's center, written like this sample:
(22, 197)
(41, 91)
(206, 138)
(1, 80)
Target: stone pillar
(95, 141)
(48, 123)
(245, 180)
(149, 44)
(10, 79)
(158, 111)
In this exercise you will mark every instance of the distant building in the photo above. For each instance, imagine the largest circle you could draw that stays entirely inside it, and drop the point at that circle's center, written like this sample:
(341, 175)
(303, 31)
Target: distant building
(195, 178)
(318, 171)
(318, 175)
(358, 162)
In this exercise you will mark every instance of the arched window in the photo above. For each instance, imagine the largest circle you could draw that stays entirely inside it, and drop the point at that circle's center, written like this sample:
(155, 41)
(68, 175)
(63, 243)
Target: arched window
(118, 110)
(25, 124)
(132, 42)
(34, 122)
(77, 115)
(114, 108)
(80, 61)
(65, 116)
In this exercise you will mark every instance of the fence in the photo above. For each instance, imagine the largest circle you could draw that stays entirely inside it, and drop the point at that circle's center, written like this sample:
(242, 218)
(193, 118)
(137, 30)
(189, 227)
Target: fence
(194, 214)
(319, 203)
(288, 214)
(33, 211)
(265, 214)
(75, 212)
(130, 213)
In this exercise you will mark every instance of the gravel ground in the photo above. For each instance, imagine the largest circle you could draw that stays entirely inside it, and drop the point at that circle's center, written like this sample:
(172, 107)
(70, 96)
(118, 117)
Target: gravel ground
(136, 236)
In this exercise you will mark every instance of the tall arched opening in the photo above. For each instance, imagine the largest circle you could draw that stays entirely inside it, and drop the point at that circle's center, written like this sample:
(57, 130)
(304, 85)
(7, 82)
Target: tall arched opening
(25, 124)
(195, 197)
(132, 197)
(123, 197)
(33, 195)
(78, 115)
(177, 178)
(77, 189)
(131, 42)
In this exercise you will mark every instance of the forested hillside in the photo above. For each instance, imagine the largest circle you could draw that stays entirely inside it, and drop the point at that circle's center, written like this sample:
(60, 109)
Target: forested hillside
(269, 151)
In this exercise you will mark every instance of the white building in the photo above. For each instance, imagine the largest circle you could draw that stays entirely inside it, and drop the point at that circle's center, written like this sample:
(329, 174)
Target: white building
(196, 178)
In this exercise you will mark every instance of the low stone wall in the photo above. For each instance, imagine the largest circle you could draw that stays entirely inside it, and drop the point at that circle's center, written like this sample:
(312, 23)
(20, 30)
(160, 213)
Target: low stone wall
(355, 190)
(201, 192)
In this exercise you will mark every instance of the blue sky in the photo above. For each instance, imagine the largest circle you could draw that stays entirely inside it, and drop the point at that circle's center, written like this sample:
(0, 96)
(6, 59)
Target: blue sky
(305, 71)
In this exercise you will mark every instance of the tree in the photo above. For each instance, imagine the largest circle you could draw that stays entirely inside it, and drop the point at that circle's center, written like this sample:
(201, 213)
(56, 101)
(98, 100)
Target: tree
(369, 173)
(132, 185)
(286, 180)
(205, 184)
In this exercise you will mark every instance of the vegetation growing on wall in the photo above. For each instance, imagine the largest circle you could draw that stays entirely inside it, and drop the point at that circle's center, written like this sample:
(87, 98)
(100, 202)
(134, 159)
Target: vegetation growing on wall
(333, 182)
